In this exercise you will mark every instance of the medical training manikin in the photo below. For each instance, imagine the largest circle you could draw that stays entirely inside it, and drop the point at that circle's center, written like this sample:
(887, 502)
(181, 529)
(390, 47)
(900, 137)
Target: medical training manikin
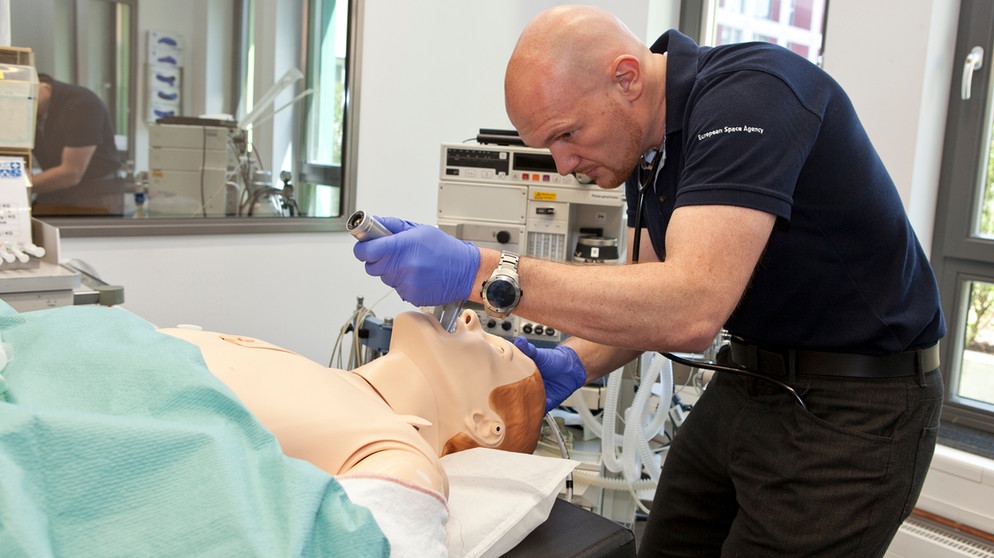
(433, 393)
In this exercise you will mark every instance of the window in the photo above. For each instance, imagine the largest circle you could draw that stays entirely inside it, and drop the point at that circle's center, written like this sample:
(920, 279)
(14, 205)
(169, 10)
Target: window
(963, 248)
(794, 24)
(323, 116)
(323, 125)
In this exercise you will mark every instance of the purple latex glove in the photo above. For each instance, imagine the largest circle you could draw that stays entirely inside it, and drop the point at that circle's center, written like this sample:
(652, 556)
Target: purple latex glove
(561, 369)
(426, 266)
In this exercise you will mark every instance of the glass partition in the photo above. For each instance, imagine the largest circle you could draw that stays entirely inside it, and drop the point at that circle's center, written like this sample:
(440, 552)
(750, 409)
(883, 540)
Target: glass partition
(99, 49)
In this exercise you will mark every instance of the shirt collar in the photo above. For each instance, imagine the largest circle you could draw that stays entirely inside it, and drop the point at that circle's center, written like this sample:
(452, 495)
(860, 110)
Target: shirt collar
(681, 73)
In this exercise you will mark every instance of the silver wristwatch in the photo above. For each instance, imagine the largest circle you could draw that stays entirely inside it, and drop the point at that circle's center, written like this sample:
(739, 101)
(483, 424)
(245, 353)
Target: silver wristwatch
(501, 293)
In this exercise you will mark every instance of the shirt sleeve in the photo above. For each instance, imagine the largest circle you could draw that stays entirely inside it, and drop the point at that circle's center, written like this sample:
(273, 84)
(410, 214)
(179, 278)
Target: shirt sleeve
(747, 136)
(84, 122)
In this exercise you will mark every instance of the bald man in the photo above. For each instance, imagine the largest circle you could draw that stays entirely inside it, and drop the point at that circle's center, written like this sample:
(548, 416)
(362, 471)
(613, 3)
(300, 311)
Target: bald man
(770, 215)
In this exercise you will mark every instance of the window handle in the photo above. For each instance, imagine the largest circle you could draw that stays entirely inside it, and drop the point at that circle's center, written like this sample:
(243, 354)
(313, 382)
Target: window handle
(974, 61)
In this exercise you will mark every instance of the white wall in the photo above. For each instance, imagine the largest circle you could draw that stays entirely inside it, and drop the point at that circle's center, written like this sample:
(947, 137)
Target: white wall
(895, 59)
(49, 35)
(432, 72)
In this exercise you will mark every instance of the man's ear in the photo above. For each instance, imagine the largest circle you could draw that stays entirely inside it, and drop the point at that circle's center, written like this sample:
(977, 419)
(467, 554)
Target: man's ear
(488, 431)
(628, 75)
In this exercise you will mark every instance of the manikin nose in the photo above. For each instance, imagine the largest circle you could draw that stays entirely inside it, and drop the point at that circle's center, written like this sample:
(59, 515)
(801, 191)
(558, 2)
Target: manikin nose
(470, 320)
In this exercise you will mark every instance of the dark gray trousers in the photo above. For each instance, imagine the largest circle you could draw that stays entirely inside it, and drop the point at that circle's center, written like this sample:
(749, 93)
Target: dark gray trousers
(752, 474)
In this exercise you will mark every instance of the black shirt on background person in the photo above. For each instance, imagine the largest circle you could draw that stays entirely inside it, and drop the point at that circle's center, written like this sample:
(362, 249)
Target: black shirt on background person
(74, 145)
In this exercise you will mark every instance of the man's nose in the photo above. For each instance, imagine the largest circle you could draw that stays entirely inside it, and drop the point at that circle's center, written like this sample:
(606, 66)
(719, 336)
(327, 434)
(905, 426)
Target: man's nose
(566, 163)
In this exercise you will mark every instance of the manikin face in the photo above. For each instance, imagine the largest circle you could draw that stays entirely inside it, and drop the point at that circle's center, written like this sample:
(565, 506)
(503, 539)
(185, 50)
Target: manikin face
(484, 391)
(469, 362)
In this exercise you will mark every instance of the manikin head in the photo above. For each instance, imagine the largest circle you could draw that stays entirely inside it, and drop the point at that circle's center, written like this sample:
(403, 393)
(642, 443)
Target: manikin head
(584, 86)
(487, 392)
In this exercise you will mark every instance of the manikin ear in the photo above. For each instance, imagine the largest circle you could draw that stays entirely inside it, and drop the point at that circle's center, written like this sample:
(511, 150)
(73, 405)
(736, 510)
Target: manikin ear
(488, 430)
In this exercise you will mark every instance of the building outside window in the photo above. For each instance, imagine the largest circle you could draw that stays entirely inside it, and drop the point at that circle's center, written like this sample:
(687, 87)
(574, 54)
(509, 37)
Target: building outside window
(794, 24)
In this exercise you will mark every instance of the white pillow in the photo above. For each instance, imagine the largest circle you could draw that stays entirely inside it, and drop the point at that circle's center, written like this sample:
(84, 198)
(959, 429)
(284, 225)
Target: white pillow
(497, 497)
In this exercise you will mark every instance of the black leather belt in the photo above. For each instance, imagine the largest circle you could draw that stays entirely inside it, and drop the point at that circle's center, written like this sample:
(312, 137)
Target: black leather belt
(798, 362)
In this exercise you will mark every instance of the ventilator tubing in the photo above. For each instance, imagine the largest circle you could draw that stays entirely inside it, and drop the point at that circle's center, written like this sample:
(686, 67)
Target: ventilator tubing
(591, 478)
(640, 426)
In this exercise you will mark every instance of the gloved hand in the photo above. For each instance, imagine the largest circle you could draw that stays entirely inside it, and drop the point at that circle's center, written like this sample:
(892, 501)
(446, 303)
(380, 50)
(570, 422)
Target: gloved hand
(425, 265)
(561, 369)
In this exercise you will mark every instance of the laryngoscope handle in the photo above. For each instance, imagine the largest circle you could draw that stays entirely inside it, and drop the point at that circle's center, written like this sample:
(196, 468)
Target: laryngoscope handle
(365, 227)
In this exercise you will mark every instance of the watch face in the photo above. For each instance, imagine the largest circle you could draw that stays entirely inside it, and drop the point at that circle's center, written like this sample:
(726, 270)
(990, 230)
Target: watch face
(501, 293)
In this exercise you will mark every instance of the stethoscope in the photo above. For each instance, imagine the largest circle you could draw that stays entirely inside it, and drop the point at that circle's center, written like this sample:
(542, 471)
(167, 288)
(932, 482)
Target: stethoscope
(654, 163)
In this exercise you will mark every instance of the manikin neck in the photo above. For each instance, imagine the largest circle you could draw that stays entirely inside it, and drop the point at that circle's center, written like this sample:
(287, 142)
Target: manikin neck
(403, 385)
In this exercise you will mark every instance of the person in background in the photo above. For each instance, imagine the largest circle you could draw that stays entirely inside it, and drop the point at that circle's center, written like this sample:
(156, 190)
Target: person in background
(767, 213)
(74, 147)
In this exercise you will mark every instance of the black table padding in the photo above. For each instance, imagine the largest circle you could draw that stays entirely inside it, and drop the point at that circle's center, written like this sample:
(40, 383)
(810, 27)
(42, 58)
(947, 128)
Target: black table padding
(571, 531)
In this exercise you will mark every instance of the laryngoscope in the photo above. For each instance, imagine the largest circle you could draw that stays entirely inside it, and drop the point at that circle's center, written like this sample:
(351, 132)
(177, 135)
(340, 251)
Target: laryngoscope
(365, 227)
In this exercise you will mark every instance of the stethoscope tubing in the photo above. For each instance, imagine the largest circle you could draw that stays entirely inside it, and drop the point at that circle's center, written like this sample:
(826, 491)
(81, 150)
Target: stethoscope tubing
(654, 167)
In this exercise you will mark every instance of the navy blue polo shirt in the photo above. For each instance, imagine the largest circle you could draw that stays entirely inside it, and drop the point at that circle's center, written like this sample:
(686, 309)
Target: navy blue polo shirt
(755, 125)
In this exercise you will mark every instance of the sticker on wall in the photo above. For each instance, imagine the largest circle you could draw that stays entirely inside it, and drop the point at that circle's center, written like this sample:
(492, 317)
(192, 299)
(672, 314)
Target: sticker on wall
(164, 92)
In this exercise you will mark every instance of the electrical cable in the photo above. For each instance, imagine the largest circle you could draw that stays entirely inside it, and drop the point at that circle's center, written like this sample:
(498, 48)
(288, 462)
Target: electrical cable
(563, 450)
(353, 324)
(720, 368)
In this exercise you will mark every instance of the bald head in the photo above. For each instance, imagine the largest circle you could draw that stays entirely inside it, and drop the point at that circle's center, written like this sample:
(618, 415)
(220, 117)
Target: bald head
(580, 83)
(568, 52)
(572, 38)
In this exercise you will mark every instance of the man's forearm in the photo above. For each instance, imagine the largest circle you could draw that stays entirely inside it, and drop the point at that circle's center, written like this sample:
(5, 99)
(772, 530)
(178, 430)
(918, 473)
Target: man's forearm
(75, 161)
(53, 180)
(600, 360)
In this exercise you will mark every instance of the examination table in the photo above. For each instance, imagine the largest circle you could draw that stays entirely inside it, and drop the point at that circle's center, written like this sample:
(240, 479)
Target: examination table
(573, 531)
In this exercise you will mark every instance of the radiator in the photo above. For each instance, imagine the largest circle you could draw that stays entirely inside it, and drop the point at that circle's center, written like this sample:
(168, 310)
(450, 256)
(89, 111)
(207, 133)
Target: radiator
(922, 538)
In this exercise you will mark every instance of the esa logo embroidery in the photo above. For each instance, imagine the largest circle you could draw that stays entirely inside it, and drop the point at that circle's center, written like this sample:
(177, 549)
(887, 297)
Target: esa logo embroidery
(730, 130)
